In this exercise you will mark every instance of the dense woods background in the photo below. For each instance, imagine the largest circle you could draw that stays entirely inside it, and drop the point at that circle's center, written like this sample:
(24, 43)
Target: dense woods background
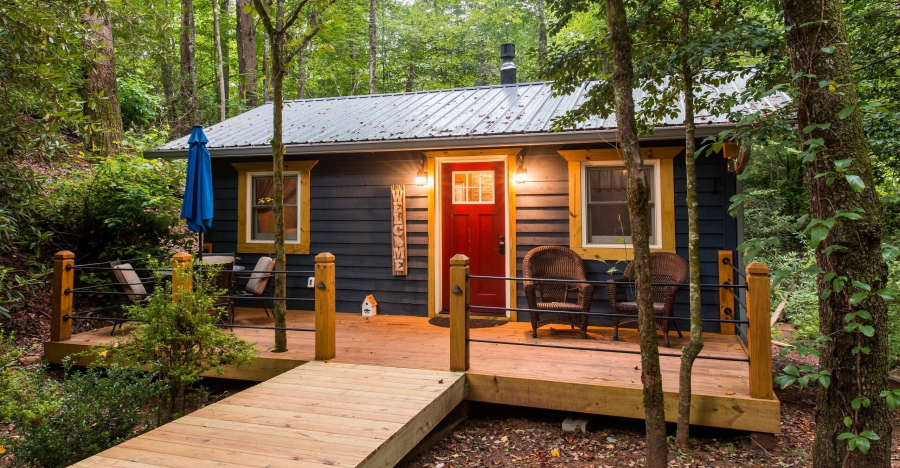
(87, 85)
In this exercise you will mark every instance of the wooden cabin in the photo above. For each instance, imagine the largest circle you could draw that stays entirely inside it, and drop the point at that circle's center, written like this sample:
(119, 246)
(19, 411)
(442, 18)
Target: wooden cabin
(395, 185)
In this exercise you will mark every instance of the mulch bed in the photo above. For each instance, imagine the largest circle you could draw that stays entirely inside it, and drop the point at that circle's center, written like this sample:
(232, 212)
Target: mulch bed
(516, 437)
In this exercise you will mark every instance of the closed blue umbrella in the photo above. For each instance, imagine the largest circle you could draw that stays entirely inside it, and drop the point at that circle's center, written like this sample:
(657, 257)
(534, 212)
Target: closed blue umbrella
(197, 208)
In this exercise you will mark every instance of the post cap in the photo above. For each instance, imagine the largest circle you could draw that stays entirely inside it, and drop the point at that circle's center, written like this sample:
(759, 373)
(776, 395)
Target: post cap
(757, 268)
(63, 255)
(325, 257)
(459, 260)
(182, 257)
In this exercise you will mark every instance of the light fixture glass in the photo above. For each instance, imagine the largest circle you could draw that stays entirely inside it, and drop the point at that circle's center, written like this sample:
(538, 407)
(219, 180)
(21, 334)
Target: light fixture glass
(421, 176)
(521, 172)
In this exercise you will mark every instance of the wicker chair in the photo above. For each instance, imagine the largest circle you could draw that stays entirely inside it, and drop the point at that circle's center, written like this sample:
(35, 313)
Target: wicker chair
(556, 263)
(667, 268)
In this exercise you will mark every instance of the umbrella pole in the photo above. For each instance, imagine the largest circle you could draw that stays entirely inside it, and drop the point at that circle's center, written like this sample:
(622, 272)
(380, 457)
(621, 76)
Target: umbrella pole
(200, 255)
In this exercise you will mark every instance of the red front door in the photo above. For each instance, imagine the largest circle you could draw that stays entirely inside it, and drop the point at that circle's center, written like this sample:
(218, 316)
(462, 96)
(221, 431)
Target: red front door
(473, 212)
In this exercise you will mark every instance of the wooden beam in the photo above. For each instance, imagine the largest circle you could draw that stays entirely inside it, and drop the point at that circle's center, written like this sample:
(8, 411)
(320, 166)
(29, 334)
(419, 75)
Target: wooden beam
(61, 302)
(432, 239)
(725, 411)
(511, 242)
(614, 154)
(473, 152)
(759, 333)
(459, 316)
(726, 299)
(325, 308)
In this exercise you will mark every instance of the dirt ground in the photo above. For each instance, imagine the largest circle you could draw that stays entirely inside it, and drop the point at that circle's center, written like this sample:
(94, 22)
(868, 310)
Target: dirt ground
(513, 437)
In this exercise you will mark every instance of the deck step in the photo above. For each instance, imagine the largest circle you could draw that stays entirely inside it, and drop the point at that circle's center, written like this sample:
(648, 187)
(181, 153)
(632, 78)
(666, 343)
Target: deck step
(319, 414)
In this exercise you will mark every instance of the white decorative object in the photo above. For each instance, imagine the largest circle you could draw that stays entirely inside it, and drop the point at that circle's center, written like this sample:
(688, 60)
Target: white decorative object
(369, 306)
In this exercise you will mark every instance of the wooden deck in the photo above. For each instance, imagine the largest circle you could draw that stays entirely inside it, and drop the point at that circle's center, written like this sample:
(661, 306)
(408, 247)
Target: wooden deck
(319, 414)
(570, 380)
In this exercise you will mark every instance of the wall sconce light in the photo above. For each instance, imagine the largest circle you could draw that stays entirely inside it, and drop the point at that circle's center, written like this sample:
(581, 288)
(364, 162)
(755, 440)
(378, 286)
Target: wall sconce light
(421, 175)
(521, 172)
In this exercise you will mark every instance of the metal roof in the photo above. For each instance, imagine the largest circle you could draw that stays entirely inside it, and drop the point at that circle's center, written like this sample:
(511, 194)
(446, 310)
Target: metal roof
(477, 116)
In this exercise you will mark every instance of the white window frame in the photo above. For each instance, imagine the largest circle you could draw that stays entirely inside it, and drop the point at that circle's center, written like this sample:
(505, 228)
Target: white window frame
(453, 189)
(657, 211)
(249, 207)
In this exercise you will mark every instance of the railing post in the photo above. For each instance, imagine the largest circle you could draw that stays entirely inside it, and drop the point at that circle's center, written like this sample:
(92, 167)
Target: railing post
(182, 279)
(759, 332)
(726, 299)
(63, 280)
(325, 345)
(459, 314)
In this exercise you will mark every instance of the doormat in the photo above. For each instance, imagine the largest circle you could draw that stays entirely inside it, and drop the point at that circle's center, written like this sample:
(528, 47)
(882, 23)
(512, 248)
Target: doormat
(444, 322)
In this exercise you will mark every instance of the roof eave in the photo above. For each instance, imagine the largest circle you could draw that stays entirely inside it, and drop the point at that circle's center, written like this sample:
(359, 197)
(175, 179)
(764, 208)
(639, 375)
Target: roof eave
(423, 144)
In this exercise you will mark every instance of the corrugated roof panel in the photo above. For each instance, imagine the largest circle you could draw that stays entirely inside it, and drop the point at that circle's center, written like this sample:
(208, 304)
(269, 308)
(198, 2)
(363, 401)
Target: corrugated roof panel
(526, 108)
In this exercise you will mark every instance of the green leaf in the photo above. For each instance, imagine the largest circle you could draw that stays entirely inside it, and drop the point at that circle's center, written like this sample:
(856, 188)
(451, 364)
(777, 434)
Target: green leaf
(847, 422)
(856, 183)
(871, 435)
(785, 381)
(828, 49)
(858, 297)
(824, 380)
(846, 435)
(864, 314)
(818, 234)
(888, 294)
(791, 370)
(859, 402)
(862, 444)
(867, 330)
(861, 285)
(845, 112)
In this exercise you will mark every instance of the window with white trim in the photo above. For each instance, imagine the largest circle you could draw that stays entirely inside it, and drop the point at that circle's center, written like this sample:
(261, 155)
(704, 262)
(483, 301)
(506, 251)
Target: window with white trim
(605, 204)
(261, 207)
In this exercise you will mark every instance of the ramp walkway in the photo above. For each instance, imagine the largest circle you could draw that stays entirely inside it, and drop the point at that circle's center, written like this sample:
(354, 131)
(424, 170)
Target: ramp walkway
(318, 414)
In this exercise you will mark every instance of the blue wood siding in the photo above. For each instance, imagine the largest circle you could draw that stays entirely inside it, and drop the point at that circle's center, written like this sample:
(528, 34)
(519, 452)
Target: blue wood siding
(350, 217)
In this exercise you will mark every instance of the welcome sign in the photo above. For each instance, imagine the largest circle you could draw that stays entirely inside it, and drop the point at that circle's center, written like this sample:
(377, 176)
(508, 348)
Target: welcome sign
(398, 229)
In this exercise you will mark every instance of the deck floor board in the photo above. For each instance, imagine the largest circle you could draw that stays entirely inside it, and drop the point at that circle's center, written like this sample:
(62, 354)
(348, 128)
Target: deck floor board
(303, 431)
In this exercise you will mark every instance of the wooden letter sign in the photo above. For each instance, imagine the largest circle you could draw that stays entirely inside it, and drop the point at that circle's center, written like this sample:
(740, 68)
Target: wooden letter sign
(398, 229)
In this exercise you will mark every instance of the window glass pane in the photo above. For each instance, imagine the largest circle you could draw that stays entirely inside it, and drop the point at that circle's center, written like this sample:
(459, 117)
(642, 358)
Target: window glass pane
(487, 193)
(608, 222)
(263, 191)
(263, 224)
(290, 191)
(290, 223)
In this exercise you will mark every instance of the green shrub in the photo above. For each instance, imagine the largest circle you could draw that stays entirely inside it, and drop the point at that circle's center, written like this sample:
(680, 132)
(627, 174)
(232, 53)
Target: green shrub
(140, 105)
(179, 340)
(87, 413)
(57, 424)
(118, 207)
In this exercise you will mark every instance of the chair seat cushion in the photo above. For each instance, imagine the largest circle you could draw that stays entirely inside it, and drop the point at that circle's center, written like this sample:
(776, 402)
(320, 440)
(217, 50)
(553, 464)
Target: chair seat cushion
(559, 306)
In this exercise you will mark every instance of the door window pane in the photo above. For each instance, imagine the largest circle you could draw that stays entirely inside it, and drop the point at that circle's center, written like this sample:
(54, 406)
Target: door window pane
(473, 187)
(261, 208)
(608, 222)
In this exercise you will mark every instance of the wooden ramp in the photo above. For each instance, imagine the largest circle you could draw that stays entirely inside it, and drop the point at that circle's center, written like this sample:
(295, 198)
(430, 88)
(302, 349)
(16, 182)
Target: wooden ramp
(319, 414)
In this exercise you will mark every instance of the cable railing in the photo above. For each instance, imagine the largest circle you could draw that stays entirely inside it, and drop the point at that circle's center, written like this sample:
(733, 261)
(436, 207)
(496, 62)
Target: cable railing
(758, 355)
(65, 292)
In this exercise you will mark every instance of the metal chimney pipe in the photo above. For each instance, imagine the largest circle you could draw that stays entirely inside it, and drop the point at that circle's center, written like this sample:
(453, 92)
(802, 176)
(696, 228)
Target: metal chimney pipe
(508, 69)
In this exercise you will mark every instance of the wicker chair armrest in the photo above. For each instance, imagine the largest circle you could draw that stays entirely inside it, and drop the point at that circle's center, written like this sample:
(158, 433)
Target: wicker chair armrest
(530, 294)
(615, 291)
(585, 296)
(669, 298)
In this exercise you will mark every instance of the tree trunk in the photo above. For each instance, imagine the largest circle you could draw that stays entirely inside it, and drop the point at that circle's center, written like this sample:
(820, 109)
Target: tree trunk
(852, 249)
(689, 354)
(354, 72)
(247, 63)
(218, 42)
(542, 38)
(265, 71)
(301, 74)
(191, 114)
(373, 19)
(277, 56)
(638, 193)
(226, 52)
(101, 90)
(411, 71)
(168, 78)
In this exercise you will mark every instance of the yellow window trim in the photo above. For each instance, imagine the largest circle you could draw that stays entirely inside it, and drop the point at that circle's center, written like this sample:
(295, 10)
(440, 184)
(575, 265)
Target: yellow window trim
(575, 159)
(302, 247)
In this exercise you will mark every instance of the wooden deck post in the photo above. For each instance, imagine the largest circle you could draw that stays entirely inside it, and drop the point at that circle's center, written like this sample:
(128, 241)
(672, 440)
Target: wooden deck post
(182, 279)
(325, 345)
(459, 314)
(759, 332)
(726, 299)
(63, 280)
